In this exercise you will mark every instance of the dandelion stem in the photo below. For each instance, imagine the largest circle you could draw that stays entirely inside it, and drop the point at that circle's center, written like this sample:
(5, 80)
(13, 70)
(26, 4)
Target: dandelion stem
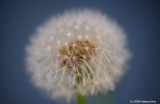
(81, 99)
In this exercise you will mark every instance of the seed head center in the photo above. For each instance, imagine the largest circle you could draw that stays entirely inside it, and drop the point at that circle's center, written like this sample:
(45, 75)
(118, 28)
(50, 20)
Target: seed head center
(76, 53)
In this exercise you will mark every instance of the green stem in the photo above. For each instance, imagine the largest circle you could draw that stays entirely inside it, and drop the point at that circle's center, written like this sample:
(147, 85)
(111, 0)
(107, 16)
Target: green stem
(81, 99)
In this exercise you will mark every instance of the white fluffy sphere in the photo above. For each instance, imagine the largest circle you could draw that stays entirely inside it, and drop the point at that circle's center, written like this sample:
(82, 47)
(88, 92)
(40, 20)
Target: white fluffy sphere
(80, 51)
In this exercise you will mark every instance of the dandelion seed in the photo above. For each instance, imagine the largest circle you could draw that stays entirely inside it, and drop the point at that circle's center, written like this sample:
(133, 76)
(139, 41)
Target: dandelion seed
(86, 36)
(86, 28)
(91, 59)
(79, 37)
(69, 34)
(77, 27)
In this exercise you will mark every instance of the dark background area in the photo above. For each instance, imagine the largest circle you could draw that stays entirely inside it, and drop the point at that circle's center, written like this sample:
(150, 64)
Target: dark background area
(139, 18)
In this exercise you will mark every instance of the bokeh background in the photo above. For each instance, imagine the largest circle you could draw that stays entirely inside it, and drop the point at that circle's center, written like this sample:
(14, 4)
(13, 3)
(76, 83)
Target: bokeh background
(139, 18)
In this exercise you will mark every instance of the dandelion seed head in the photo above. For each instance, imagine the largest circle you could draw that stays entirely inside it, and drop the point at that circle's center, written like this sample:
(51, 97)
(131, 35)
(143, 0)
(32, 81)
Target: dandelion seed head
(81, 51)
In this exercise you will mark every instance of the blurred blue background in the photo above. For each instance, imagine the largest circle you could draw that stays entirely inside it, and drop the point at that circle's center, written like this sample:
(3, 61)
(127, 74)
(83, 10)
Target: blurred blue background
(139, 18)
